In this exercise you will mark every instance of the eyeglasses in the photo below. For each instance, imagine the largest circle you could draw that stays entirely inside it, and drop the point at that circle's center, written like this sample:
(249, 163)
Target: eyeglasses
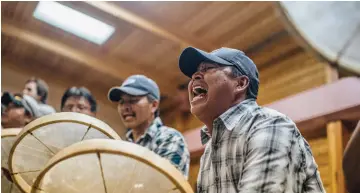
(214, 66)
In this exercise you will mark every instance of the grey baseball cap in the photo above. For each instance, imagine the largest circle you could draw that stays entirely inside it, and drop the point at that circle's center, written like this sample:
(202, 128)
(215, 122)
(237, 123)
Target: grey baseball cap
(136, 85)
(45, 109)
(191, 58)
(21, 100)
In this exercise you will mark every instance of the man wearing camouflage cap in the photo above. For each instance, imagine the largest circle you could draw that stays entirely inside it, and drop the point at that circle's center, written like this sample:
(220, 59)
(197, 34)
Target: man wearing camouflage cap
(18, 111)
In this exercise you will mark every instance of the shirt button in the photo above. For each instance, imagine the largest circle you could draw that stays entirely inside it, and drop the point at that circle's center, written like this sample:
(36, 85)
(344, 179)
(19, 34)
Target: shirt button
(217, 179)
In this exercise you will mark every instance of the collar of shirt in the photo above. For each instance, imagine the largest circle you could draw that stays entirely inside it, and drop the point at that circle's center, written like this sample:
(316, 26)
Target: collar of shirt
(229, 118)
(151, 131)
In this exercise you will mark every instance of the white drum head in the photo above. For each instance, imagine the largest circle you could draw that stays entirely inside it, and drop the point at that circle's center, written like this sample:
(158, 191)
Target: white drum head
(109, 166)
(7, 140)
(330, 28)
(41, 139)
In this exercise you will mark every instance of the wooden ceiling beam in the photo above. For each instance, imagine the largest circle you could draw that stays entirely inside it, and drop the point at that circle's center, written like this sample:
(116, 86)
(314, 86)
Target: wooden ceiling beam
(272, 38)
(142, 23)
(102, 65)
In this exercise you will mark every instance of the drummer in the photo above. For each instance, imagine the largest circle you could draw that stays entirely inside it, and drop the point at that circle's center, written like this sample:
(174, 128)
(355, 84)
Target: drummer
(138, 106)
(79, 100)
(18, 111)
(249, 148)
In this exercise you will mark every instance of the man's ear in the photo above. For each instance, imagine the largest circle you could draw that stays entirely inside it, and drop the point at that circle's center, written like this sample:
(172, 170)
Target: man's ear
(154, 106)
(242, 83)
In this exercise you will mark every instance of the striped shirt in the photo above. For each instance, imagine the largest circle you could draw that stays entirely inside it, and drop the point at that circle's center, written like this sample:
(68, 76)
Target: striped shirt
(166, 142)
(256, 150)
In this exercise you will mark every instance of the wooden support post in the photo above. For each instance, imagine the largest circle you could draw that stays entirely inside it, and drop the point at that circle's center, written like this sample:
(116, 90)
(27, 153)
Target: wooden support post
(332, 73)
(337, 136)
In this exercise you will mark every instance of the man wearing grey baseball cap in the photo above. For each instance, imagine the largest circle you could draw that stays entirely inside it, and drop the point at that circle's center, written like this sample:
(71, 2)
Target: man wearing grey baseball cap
(138, 105)
(248, 148)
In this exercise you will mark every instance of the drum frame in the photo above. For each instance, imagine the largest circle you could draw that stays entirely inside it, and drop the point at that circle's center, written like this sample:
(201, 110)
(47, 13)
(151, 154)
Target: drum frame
(117, 148)
(51, 119)
(311, 46)
(9, 132)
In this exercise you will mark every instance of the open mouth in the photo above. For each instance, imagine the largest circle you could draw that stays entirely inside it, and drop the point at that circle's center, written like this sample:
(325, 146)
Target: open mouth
(199, 92)
(128, 116)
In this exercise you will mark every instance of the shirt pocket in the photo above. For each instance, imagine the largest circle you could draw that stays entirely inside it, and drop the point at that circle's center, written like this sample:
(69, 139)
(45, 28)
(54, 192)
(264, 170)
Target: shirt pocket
(234, 172)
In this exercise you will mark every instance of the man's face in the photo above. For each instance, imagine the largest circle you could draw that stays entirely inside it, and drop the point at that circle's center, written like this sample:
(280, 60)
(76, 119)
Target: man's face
(211, 91)
(14, 117)
(136, 110)
(78, 104)
(31, 90)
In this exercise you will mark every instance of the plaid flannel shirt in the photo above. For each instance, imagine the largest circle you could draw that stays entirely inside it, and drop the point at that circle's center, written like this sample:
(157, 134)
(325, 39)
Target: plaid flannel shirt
(256, 150)
(166, 142)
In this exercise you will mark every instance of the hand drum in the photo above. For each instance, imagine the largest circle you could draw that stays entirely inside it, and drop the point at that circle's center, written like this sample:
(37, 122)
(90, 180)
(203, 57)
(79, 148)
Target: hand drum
(41, 139)
(109, 166)
(7, 140)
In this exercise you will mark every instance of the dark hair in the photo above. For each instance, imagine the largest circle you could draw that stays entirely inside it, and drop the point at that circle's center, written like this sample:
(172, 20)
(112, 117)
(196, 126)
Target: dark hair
(79, 92)
(236, 73)
(42, 88)
(151, 99)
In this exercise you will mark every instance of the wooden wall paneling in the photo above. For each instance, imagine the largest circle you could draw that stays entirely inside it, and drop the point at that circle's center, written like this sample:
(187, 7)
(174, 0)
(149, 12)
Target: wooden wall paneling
(293, 87)
(212, 29)
(218, 10)
(255, 33)
(287, 64)
(230, 26)
(150, 51)
(177, 13)
(289, 77)
(320, 149)
(280, 44)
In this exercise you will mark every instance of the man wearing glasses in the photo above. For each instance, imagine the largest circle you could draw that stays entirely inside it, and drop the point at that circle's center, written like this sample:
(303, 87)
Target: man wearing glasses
(249, 148)
(138, 105)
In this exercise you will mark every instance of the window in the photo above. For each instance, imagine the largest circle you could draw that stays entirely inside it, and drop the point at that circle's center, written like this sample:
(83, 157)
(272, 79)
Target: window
(73, 21)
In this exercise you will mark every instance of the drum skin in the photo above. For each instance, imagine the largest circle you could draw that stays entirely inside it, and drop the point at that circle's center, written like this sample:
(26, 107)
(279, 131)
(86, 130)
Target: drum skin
(103, 165)
(41, 139)
(7, 140)
(331, 29)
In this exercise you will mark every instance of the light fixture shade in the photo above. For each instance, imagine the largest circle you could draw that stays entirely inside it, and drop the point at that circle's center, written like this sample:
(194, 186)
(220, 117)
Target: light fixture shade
(73, 21)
